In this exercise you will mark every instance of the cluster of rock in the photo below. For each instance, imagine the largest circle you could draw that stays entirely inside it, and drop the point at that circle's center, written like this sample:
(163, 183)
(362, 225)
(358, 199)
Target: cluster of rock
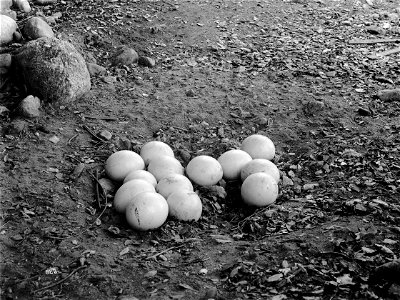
(50, 69)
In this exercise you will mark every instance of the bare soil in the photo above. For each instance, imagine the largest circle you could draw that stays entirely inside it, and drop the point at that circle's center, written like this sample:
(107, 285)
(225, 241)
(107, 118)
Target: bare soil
(224, 70)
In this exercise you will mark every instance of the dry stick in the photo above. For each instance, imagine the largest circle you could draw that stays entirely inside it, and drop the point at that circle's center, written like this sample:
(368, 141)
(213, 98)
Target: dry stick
(388, 52)
(164, 251)
(104, 195)
(60, 281)
(92, 133)
(372, 41)
(101, 118)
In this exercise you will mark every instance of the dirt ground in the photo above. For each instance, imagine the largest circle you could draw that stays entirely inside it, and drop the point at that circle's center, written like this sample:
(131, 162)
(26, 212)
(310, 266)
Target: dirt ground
(224, 70)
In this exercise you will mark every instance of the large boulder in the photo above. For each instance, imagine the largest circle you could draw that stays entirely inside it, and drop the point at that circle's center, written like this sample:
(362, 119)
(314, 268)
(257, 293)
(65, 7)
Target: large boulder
(53, 70)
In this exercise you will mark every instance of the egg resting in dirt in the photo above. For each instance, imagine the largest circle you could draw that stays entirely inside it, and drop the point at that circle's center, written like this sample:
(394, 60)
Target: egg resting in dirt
(147, 211)
(141, 174)
(204, 170)
(259, 146)
(259, 189)
(162, 166)
(232, 162)
(154, 149)
(260, 165)
(172, 183)
(185, 205)
(120, 163)
(128, 191)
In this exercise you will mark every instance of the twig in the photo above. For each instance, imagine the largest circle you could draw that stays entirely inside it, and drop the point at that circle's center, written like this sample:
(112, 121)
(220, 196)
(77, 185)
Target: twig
(70, 140)
(372, 41)
(164, 251)
(388, 52)
(60, 281)
(92, 133)
(97, 188)
(101, 118)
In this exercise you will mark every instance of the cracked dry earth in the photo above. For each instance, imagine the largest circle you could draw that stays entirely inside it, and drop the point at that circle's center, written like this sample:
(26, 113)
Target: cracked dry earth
(224, 70)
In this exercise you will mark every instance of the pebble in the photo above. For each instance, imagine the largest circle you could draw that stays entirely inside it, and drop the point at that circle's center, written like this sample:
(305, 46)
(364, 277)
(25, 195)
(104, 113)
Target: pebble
(286, 181)
(127, 297)
(95, 69)
(310, 186)
(389, 95)
(54, 139)
(146, 61)
(30, 107)
(105, 134)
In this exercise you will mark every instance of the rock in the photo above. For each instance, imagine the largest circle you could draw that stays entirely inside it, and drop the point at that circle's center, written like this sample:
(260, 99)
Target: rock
(23, 5)
(212, 293)
(389, 271)
(95, 69)
(53, 70)
(124, 56)
(8, 27)
(5, 63)
(29, 107)
(36, 28)
(146, 61)
(5, 4)
(389, 95)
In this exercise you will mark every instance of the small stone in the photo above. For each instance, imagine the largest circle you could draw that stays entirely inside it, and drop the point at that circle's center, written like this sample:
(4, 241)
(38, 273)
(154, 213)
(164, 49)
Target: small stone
(36, 28)
(203, 271)
(105, 134)
(30, 107)
(124, 56)
(95, 69)
(4, 110)
(54, 139)
(373, 29)
(17, 237)
(286, 181)
(23, 5)
(310, 186)
(123, 143)
(146, 61)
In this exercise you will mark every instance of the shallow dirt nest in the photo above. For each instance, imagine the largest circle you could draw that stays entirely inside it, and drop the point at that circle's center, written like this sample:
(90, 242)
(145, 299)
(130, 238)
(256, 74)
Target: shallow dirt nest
(224, 70)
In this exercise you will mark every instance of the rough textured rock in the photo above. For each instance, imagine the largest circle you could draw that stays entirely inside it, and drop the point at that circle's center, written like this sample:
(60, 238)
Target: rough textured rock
(53, 70)
(8, 27)
(124, 56)
(30, 107)
(36, 28)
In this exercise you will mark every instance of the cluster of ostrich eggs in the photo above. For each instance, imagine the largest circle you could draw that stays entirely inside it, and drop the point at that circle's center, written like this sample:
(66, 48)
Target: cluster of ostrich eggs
(155, 185)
